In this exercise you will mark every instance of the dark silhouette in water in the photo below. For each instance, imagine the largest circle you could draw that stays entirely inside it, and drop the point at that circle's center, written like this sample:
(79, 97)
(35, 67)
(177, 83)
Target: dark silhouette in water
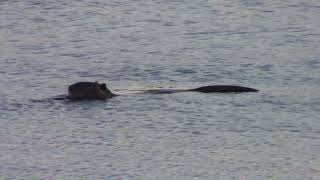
(99, 91)
(223, 89)
(89, 90)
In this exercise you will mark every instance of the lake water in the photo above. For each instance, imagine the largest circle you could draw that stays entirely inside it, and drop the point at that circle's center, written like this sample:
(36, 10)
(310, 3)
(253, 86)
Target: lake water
(46, 45)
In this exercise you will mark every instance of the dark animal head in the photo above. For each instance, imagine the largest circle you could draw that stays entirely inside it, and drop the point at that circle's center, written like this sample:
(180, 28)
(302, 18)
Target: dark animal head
(89, 90)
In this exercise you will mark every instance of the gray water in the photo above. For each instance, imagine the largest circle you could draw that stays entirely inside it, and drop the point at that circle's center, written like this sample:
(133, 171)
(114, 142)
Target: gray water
(273, 46)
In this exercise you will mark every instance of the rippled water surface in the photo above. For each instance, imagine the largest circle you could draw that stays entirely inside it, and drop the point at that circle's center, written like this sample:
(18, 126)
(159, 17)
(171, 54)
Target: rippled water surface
(269, 45)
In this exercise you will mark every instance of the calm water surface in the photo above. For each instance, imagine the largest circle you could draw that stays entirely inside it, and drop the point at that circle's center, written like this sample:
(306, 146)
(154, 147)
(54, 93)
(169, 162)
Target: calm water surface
(270, 45)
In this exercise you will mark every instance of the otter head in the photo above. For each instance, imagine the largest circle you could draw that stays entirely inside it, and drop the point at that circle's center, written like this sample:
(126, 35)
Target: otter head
(89, 90)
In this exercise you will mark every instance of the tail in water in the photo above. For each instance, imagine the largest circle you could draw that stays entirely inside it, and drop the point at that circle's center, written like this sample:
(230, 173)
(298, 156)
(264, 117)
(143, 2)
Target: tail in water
(223, 89)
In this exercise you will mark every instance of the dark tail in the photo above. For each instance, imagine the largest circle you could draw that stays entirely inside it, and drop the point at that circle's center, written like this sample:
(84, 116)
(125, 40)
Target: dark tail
(223, 89)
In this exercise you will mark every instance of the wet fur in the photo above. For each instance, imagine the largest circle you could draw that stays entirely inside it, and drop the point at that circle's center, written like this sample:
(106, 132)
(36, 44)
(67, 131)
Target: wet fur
(89, 90)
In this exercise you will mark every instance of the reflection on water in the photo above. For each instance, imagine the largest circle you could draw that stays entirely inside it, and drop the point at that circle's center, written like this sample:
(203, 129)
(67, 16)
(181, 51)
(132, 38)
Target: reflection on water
(271, 46)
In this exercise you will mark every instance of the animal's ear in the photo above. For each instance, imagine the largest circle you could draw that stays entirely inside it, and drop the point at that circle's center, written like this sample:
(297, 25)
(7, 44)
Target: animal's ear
(103, 86)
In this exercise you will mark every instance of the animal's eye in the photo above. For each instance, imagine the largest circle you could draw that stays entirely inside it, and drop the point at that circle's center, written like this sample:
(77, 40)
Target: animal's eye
(103, 87)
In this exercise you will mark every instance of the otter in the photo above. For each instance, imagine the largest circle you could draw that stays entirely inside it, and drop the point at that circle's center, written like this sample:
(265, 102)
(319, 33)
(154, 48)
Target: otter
(89, 90)
(99, 91)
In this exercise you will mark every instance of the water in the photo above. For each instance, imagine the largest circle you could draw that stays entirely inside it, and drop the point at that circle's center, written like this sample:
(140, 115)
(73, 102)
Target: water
(269, 45)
